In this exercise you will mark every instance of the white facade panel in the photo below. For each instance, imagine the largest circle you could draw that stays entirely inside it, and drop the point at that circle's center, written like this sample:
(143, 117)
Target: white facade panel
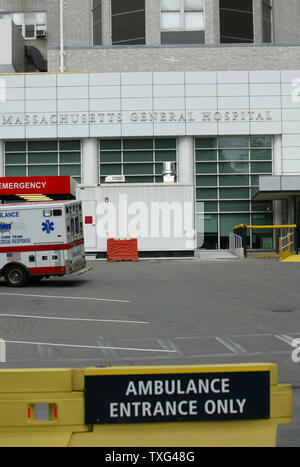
(200, 77)
(264, 76)
(47, 131)
(236, 89)
(106, 131)
(291, 140)
(136, 91)
(265, 89)
(145, 103)
(205, 103)
(72, 79)
(36, 106)
(135, 79)
(105, 105)
(229, 77)
(291, 153)
(72, 92)
(203, 90)
(40, 81)
(233, 102)
(168, 78)
(291, 167)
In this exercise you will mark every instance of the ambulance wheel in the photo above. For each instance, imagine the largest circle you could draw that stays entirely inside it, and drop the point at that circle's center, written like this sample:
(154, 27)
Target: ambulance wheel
(16, 276)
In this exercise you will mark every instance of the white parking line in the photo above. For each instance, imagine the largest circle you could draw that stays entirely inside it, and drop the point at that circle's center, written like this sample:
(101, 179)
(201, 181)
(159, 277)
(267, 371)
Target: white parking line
(287, 339)
(88, 346)
(59, 318)
(65, 298)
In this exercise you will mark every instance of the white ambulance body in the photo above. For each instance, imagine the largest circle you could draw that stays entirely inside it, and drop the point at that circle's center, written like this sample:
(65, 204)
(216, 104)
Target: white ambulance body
(40, 240)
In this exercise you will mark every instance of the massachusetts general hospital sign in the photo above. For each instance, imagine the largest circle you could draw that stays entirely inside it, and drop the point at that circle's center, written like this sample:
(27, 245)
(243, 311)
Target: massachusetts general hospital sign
(137, 116)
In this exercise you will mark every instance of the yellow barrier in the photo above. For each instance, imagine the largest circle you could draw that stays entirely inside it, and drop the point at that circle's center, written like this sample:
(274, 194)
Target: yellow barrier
(63, 407)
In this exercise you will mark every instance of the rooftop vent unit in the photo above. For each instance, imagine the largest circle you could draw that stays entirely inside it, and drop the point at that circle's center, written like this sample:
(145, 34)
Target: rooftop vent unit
(115, 179)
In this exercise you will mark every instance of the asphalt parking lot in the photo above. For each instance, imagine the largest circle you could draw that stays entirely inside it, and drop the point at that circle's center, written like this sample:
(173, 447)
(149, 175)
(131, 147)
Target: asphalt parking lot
(170, 312)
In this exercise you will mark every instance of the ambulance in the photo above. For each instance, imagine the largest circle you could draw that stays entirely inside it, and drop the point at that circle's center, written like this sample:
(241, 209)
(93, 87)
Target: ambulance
(41, 239)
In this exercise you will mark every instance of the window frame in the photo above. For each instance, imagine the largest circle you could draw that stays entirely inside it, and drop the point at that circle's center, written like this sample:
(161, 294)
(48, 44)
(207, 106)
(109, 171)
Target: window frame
(271, 6)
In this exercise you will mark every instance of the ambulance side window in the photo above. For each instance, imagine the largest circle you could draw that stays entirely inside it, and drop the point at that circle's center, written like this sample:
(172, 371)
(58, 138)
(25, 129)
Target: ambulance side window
(72, 226)
(76, 225)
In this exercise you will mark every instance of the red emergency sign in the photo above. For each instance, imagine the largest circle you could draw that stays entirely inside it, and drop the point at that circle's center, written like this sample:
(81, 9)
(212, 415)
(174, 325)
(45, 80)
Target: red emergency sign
(35, 185)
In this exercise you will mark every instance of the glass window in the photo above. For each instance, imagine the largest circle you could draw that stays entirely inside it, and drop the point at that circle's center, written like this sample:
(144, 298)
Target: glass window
(133, 156)
(233, 183)
(236, 21)
(234, 155)
(233, 193)
(233, 142)
(262, 206)
(206, 143)
(228, 221)
(110, 144)
(165, 143)
(69, 145)
(206, 155)
(207, 168)
(234, 206)
(68, 157)
(111, 169)
(112, 156)
(211, 223)
(234, 180)
(210, 206)
(138, 144)
(206, 181)
(182, 14)
(13, 146)
(207, 193)
(15, 171)
(165, 156)
(12, 159)
(42, 145)
(42, 158)
(42, 170)
(261, 167)
(234, 167)
(261, 154)
(261, 141)
(140, 160)
(133, 169)
(70, 170)
(128, 22)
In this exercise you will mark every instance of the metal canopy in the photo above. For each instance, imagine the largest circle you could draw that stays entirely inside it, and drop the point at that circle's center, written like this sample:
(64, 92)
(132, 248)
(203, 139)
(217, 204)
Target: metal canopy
(277, 187)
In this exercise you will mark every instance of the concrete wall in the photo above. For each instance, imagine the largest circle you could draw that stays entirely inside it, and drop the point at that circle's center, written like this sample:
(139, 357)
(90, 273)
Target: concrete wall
(13, 52)
(177, 58)
(286, 18)
(6, 38)
(18, 44)
(77, 22)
